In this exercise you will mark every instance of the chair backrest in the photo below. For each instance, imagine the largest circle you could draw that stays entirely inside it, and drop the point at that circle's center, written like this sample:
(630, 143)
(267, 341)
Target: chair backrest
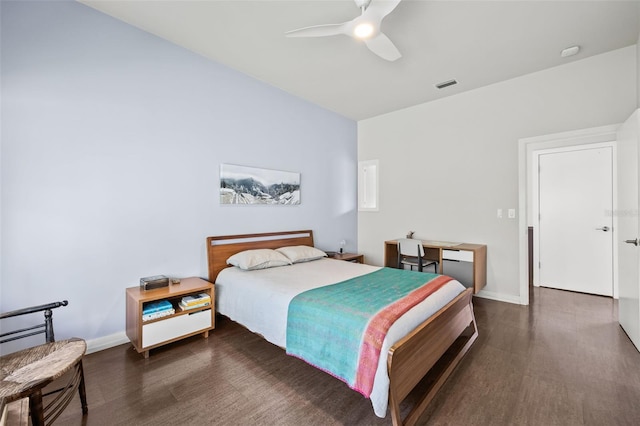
(45, 327)
(410, 247)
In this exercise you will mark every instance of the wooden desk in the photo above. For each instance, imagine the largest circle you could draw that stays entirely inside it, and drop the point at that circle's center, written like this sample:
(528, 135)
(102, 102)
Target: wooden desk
(442, 250)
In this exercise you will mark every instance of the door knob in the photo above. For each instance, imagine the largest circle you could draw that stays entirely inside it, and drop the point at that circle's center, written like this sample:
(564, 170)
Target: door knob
(604, 228)
(634, 242)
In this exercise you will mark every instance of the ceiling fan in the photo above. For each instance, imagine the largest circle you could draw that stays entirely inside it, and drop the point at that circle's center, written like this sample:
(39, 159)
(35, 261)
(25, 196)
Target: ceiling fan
(365, 27)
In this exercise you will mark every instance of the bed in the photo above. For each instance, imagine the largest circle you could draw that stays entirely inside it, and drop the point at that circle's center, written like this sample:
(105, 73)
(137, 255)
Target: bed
(259, 300)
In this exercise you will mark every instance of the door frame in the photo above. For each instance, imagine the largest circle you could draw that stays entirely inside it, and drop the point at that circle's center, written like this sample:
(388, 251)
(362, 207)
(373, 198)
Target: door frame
(535, 194)
(526, 149)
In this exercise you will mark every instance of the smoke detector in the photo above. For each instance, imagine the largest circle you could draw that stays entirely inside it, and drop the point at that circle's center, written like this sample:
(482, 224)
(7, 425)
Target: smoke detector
(570, 51)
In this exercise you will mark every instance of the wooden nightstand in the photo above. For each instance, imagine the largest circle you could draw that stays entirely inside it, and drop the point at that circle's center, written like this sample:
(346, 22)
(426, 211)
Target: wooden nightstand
(349, 257)
(146, 335)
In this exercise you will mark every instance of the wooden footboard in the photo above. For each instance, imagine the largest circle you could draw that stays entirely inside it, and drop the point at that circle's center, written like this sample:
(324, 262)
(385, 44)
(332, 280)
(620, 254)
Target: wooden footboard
(411, 358)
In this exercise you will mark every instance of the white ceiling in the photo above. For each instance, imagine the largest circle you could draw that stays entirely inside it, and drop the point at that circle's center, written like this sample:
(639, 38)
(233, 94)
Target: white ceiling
(475, 42)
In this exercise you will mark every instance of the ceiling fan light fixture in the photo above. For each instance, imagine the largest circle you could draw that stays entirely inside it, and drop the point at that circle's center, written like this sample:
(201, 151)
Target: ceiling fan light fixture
(363, 30)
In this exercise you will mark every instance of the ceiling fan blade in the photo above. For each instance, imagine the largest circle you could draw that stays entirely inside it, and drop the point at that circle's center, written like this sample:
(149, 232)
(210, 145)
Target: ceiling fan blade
(383, 47)
(381, 8)
(318, 31)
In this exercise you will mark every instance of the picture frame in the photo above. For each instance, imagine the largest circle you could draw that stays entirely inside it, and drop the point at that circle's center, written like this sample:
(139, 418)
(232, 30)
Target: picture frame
(257, 186)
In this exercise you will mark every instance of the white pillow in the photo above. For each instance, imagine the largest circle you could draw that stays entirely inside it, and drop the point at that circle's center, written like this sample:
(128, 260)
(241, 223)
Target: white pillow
(258, 259)
(297, 254)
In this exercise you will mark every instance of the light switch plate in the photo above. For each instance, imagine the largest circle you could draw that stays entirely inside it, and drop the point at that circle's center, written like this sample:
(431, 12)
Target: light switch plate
(512, 213)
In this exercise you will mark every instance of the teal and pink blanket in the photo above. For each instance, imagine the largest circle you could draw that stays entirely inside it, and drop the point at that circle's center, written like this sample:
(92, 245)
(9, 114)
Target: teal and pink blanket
(340, 328)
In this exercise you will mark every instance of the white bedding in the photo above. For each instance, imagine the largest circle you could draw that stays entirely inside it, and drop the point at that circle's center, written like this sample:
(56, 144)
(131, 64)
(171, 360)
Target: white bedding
(259, 300)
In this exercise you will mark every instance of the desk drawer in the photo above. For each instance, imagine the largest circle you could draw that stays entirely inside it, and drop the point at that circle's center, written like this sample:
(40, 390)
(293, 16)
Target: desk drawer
(460, 255)
(174, 327)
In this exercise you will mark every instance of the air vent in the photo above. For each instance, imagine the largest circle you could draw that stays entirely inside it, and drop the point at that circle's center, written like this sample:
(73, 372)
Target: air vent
(446, 84)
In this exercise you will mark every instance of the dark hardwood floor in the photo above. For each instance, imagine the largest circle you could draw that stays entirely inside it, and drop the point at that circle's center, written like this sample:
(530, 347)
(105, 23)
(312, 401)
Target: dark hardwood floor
(563, 360)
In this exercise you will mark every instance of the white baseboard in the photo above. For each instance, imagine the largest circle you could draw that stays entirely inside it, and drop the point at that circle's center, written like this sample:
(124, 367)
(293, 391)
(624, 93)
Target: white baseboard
(106, 342)
(500, 297)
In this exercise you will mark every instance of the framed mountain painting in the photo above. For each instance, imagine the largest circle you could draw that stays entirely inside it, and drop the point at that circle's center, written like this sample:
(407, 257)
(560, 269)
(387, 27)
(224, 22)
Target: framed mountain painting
(250, 185)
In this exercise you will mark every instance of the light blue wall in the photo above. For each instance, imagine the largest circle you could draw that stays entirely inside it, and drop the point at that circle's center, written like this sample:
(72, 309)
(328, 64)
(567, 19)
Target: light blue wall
(112, 140)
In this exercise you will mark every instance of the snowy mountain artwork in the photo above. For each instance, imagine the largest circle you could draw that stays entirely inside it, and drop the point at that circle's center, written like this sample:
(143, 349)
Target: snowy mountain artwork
(250, 185)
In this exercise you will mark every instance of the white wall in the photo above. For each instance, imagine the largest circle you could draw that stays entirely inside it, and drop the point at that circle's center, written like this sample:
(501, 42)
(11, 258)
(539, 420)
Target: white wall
(112, 141)
(448, 165)
(638, 63)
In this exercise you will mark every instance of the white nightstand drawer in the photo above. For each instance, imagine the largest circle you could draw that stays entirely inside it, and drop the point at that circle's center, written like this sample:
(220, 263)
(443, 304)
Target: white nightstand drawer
(162, 331)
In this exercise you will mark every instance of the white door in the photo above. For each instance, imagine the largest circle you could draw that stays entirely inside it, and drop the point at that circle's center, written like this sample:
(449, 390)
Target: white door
(575, 219)
(627, 213)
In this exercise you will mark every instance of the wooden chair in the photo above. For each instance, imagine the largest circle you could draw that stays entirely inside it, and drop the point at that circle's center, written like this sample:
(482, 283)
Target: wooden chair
(411, 252)
(39, 414)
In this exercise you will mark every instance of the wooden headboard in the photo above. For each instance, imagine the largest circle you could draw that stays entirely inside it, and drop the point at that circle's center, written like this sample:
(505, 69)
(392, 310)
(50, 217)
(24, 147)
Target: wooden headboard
(220, 248)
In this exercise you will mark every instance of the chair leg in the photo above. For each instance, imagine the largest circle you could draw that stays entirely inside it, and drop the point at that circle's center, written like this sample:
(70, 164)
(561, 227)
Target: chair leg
(81, 390)
(36, 409)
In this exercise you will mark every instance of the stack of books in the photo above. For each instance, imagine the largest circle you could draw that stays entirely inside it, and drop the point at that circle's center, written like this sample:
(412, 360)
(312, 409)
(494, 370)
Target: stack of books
(159, 309)
(195, 301)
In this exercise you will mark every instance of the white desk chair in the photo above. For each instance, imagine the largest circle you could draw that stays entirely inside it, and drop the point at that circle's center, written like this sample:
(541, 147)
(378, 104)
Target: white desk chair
(411, 252)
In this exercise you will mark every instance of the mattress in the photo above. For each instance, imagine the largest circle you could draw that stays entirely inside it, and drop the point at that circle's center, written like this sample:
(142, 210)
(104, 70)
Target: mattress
(259, 301)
